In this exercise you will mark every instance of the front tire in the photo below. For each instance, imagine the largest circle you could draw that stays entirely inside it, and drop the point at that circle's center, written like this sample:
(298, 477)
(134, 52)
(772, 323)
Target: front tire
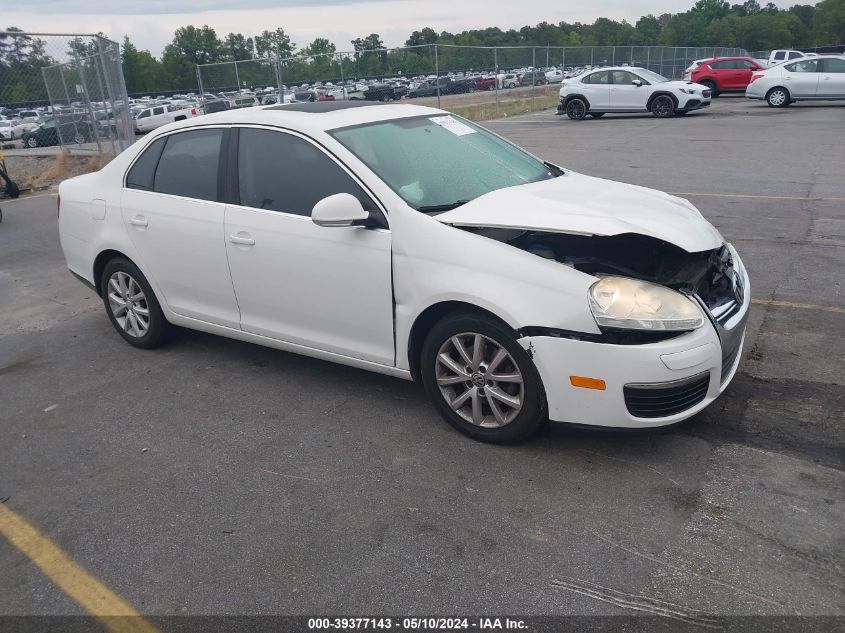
(32, 142)
(663, 107)
(778, 98)
(131, 305)
(576, 109)
(481, 380)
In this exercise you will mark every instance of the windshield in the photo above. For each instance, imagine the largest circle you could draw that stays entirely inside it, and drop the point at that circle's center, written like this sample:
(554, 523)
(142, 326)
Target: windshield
(651, 76)
(439, 162)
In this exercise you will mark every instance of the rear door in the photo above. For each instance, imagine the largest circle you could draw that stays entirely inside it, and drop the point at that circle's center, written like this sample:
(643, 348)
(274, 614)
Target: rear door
(171, 212)
(596, 87)
(802, 78)
(832, 78)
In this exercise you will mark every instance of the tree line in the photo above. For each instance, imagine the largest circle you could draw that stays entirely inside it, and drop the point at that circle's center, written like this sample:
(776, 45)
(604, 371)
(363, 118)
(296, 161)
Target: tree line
(708, 23)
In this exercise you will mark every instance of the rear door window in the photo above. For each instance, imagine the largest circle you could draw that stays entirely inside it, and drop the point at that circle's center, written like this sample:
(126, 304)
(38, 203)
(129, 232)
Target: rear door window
(805, 66)
(142, 172)
(189, 164)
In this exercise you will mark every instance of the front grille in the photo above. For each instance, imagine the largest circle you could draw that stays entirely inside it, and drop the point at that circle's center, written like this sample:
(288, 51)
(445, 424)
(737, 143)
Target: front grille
(705, 94)
(662, 399)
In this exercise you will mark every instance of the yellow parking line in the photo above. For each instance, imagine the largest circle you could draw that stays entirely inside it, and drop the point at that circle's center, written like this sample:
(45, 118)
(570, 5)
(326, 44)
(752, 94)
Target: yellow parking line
(747, 195)
(90, 593)
(802, 306)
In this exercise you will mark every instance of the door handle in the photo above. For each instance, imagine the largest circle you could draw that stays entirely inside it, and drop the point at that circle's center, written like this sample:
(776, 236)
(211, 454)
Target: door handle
(241, 240)
(139, 220)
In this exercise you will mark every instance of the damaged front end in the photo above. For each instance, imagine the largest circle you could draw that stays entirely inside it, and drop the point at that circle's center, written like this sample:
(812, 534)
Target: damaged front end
(712, 278)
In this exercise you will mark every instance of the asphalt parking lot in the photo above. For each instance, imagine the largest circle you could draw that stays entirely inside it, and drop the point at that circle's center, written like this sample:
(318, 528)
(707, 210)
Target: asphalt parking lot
(217, 477)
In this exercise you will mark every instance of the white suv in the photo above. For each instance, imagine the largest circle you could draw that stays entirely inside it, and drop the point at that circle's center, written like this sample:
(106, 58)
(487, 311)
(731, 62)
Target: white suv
(629, 89)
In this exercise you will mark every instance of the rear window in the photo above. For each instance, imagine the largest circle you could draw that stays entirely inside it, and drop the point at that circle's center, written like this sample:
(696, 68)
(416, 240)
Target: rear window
(142, 172)
(189, 163)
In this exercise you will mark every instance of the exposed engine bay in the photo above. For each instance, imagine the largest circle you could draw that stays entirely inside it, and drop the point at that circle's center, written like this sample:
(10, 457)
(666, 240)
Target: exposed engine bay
(708, 275)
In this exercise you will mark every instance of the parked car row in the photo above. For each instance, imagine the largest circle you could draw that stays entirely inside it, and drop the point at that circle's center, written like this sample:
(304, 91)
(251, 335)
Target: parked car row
(630, 89)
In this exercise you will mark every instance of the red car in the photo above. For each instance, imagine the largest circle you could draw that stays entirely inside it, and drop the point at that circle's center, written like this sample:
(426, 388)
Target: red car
(485, 83)
(725, 74)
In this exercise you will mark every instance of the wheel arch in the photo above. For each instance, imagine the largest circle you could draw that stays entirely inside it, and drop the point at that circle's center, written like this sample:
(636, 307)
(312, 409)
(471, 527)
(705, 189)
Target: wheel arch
(569, 98)
(433, 314)
(661, 93)
(100, 262)
(779, 87)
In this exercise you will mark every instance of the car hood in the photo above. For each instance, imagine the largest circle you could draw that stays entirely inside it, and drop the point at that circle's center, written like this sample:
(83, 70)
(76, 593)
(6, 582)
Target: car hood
(583, 205)
(679, 83)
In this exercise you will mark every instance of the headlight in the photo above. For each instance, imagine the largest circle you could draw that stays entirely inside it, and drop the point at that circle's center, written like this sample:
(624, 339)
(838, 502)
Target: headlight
(687, 91)
(631, 304)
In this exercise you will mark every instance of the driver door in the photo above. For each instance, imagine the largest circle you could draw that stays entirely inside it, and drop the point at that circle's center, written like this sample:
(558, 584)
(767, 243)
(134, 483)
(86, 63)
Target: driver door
(624, 95)
(327, 288)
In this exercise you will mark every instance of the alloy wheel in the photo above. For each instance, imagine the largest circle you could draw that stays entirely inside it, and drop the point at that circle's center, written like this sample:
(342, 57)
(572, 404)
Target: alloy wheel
(777, 97)
(128, 304)
(479, 380)
(576, 109)
(663, 107)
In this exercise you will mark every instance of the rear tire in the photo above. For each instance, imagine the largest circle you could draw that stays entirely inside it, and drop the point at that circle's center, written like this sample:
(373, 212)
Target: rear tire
(576, 109)
(778, 97)
(481, 405)
(131, 305)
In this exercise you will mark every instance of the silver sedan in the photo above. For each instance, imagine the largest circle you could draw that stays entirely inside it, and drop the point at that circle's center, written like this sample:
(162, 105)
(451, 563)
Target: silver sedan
(819, 78)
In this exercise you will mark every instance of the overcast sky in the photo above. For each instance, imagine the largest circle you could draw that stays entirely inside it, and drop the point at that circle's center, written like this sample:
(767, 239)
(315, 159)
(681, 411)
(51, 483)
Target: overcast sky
(150, 23)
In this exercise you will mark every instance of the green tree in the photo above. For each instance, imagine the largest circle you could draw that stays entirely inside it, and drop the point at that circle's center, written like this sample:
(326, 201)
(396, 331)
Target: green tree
(274, 44)
(238, 47)
(425, 36)
(829, 22)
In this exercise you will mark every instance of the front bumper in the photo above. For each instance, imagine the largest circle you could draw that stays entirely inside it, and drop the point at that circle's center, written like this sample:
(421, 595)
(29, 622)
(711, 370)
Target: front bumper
(696, 103)
(707, 356)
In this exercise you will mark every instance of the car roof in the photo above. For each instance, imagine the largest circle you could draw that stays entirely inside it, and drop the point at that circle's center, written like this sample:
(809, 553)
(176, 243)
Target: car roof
(603, 68)
(313, 117)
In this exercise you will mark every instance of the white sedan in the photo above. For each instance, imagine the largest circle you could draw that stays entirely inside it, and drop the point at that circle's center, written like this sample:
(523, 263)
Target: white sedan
(407, 241)
(629, 89)
(811, 78)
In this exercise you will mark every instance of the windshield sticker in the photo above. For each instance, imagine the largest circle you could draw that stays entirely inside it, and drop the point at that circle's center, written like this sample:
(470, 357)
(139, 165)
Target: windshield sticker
(453, 125)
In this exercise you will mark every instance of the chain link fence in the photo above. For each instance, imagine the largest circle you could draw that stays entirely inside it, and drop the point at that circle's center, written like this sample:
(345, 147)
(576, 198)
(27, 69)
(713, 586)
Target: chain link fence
(515, 78)
(62, 91)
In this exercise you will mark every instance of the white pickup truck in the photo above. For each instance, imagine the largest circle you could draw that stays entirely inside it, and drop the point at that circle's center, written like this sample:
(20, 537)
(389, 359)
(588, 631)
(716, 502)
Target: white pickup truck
(156, 116)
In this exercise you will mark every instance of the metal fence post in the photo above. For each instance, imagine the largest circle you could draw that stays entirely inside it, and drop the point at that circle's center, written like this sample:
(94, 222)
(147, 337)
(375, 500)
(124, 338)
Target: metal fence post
(648, 57)
(199, 84)
(533, 74)
(591, 55)
(496, 75)
(101, 66)
(437, 74)
(87, 97)
(237, 76)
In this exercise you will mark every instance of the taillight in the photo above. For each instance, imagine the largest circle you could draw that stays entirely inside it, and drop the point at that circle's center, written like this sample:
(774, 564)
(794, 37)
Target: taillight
(193, 110)
(755, 77)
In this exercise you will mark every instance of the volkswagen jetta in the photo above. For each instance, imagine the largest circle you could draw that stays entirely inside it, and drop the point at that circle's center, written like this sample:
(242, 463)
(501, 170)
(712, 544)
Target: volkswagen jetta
(408, 241)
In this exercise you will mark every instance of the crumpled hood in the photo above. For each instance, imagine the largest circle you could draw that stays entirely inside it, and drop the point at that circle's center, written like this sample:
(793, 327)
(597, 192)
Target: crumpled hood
(583, 205)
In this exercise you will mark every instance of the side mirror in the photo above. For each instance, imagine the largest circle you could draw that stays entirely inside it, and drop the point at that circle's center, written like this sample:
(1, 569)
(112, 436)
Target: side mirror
(341, 209)
(637, 82)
